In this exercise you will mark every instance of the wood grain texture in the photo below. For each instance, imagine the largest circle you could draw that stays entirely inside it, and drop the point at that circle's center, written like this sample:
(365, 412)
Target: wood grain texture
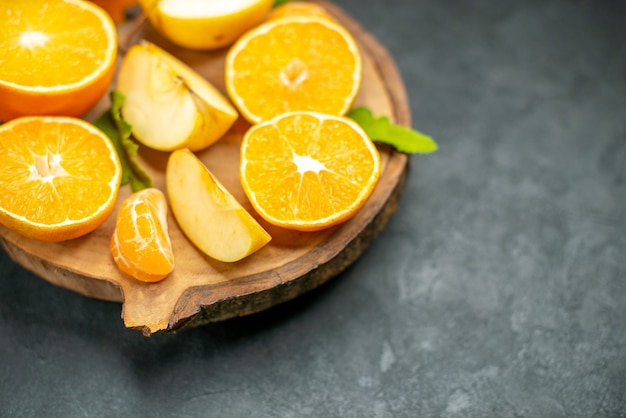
(202, 290)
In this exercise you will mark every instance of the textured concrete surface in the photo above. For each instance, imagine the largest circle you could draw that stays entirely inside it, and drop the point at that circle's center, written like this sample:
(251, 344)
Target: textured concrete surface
(497, 290)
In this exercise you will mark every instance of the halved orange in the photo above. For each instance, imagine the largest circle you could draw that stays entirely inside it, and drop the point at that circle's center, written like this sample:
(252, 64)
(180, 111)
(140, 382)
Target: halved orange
(295, 63)
(140, 244)
(308, 171)
(59, 177)
(56, 57)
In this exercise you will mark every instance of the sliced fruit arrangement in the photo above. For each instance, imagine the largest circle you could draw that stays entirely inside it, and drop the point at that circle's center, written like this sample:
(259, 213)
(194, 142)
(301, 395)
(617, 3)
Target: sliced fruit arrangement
(168, 104)
(303, 165)
(207, 213)
(56, 57)
(293, 63)
(205, 24)
(308, 171)
(59, 177)
(140, 243)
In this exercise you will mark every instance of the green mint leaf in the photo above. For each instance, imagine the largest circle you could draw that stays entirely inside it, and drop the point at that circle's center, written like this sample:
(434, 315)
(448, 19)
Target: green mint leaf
(119, 131)
(380, 129)
(279, 2)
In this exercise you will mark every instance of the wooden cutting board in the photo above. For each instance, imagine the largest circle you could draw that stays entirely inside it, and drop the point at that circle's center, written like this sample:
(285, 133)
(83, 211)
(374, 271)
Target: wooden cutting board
(202, 290)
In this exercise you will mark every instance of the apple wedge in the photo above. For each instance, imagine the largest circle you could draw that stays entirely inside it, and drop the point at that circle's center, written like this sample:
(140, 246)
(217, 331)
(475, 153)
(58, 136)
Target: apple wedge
(205, 24)
(211, 218)
(168, 104)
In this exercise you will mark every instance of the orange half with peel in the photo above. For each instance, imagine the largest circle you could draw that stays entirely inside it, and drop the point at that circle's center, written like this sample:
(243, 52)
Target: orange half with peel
(294, 63)
(308, 171)
(56, 57)
(59, 177)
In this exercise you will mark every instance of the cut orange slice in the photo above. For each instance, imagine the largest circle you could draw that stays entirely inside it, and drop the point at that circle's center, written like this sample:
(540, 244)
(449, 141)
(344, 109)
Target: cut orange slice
(308, 171)
(59, 177)
(140, 244)
(56, 57)
(295, 63)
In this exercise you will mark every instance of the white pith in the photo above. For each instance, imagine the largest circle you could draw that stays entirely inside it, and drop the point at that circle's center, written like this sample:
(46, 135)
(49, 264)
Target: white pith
(33, 39)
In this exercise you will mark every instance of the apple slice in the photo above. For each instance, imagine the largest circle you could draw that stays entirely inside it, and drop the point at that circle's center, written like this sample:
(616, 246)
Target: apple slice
(205, 24)
(207, 213)
(168, 104)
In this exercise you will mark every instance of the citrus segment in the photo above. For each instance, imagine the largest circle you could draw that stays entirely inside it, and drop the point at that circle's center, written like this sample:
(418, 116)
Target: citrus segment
(140, 244)
(308, 171)
(56, 57)
(59, 177)
(297, 63)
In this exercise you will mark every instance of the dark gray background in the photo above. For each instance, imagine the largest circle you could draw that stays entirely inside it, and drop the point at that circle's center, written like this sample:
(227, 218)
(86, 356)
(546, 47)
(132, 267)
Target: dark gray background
(497, 289)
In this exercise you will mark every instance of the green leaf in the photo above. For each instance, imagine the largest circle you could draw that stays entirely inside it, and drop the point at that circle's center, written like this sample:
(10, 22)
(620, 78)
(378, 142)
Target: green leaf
(279, 2)
(380, 129)
(119, 131)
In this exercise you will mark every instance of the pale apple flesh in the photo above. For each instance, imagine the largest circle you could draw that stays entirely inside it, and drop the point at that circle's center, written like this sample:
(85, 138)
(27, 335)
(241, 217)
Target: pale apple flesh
(208, 214)
(204, 8)
(205, 24)
(168, 105)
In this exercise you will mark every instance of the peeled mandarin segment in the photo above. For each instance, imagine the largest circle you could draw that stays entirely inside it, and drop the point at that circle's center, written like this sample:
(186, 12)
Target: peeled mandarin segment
(56, 58)
(140, 244)
(59, 177)
(210, 217)
(308, 171)
(205, 24)
(297, 63)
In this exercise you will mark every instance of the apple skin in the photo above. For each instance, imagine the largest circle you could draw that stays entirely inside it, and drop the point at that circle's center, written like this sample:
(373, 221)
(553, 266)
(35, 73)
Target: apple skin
(204, 32)
(168, 104)
(210, 217)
